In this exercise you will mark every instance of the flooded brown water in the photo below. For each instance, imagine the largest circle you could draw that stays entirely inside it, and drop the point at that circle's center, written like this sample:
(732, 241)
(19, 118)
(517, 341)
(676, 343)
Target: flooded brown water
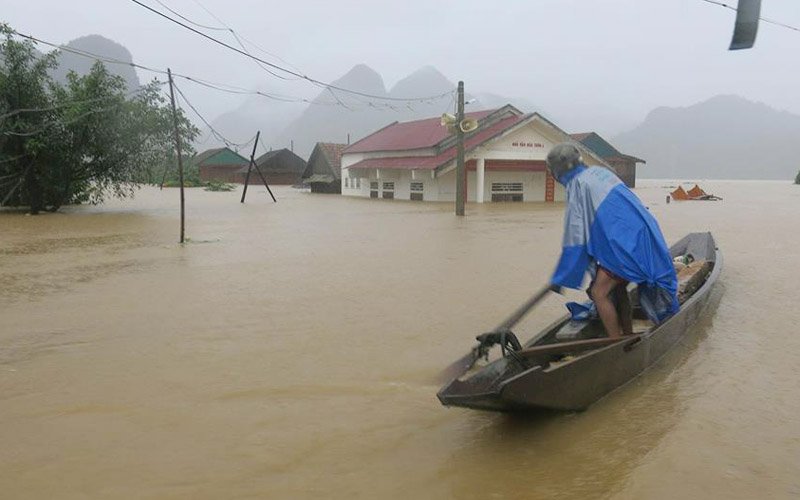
(288, 351)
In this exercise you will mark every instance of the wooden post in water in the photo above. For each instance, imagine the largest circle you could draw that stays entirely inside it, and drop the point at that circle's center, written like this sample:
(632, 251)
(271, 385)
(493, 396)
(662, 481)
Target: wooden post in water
(178, 149)
(250, 167)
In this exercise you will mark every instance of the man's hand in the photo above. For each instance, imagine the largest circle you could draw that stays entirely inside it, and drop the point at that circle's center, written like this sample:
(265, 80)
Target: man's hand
(557, 288)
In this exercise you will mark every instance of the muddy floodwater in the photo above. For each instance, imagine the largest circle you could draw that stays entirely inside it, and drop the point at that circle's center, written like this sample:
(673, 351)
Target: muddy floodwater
(288, 350)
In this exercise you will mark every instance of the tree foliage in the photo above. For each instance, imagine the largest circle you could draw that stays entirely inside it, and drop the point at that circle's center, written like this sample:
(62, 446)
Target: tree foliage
(797, 178)
(82, 141)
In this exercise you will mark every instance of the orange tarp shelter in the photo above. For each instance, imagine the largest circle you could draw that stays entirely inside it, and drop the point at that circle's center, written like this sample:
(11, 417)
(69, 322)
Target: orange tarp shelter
(696, 192)
(680, 194)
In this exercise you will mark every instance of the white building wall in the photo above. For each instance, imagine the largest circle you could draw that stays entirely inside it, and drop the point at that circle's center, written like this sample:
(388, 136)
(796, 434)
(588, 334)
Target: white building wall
(401, 178)
(526, 143)
(443, 188)
(529, 143)
(349, 159)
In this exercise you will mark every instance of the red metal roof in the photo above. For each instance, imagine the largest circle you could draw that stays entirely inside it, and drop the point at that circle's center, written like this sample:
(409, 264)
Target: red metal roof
(432, 162)
(418, 134)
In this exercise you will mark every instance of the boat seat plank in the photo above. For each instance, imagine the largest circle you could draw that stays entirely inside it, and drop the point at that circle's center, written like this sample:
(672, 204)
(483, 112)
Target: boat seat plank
(573, 346)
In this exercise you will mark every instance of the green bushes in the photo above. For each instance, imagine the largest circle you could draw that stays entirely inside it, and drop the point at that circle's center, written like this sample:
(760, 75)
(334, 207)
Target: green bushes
(219, 186)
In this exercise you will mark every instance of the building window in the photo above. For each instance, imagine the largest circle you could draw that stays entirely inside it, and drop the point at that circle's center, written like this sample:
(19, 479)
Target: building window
(358, 182)
(416, 191)
(347, 182)
(373, 189)
(388, 190)
(506, 191)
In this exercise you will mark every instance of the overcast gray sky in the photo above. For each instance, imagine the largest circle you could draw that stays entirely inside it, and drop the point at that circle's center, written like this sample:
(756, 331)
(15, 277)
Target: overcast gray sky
(602, 63)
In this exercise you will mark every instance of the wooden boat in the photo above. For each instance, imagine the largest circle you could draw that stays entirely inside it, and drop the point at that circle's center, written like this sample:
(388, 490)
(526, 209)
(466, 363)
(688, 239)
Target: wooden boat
(550, 373)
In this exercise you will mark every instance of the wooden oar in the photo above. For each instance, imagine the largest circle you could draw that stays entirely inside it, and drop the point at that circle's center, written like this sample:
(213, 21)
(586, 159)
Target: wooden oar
(575, 345)
(465, 362)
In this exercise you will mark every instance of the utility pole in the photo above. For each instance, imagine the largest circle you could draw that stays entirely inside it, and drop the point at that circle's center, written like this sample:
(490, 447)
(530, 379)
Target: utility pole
(461, 173)
(178, 148)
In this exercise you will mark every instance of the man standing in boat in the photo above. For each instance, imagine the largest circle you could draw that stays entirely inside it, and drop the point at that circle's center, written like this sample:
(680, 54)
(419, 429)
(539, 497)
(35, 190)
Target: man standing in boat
(610, 234)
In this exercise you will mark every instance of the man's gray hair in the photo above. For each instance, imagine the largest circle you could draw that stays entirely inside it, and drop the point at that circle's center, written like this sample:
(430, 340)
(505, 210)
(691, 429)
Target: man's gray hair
(562, 158)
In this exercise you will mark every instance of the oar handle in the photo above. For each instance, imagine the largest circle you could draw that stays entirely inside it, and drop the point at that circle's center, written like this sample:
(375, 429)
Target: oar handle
(461, 366)
(524, 309)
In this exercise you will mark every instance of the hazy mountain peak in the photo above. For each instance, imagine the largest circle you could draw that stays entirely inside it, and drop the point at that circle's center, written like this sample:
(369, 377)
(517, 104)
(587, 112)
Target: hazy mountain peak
(101, 46)
(423, 82)
(361, 75)
(335, 116)
(723, 137)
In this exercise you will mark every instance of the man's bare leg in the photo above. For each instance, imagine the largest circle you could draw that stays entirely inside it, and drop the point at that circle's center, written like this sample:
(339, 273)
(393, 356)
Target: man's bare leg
(604, 283)
(624, 309)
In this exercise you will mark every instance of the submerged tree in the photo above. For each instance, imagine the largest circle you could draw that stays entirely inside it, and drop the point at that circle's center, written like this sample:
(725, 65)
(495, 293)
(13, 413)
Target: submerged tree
(27, 111)
(79, 142)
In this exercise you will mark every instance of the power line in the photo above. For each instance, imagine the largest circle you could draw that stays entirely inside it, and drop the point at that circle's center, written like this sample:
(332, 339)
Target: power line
(66, 103)
(766, 20)
(226, 28)
(60, 122)
(8, 160)
(88, 54)
(232, 89)
(76, 118)
(217, 86)
(214, 131)
(246, 39)
(215, 28)
(287, 71)
(223, 87)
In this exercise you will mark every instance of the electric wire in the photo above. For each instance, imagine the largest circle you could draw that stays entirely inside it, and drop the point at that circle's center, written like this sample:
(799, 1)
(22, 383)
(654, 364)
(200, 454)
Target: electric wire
(51, 123)
(263, 50)
(214, 131)
(226, 28)
(67, 103)
(285, 70)
(766, 20)
(222, 87)
(47, 125)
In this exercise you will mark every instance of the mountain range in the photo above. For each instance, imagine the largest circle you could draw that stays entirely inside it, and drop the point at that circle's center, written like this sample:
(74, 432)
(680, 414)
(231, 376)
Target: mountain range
(724, 137)
(337, 116)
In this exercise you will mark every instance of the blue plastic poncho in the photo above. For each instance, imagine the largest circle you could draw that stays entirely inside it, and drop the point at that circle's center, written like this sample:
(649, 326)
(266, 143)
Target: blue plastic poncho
(605, 224)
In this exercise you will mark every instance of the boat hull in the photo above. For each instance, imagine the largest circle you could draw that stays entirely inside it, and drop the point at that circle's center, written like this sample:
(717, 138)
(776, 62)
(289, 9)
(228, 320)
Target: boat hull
(504, 385)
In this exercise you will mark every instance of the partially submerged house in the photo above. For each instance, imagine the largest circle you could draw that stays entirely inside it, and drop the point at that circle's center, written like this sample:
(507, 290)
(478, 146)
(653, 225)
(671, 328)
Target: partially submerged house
(324, 170)
(219, 164)
(280, 166)
(504, 156)
(624, 165)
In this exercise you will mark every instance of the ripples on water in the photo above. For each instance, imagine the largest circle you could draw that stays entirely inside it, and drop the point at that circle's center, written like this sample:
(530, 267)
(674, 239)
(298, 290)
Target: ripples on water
(291, 355)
